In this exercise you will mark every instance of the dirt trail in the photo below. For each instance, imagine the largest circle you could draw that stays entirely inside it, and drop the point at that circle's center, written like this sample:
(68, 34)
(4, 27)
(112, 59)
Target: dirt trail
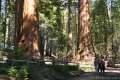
(110, 74)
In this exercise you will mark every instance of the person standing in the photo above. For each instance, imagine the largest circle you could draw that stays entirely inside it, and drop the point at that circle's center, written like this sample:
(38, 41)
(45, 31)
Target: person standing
(102, 64)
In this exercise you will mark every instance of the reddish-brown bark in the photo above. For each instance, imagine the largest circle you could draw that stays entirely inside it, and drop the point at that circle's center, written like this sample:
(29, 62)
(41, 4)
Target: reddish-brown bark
(27, 27)
(85, 48)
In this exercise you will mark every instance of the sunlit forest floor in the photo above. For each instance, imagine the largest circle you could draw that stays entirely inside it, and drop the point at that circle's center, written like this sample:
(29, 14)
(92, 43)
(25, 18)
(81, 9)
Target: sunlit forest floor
(110, 74)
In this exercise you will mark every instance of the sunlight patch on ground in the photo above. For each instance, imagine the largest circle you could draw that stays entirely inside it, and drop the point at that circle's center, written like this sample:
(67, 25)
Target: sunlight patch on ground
(116, 71)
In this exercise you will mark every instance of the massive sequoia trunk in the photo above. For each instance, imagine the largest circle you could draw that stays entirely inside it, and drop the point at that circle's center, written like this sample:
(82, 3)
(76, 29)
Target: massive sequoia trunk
(85, 48)
(27, 34)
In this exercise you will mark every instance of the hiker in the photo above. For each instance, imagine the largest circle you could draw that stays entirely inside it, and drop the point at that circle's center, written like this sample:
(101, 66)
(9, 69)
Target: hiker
(96, 63)
(99, 65)
(102, 64)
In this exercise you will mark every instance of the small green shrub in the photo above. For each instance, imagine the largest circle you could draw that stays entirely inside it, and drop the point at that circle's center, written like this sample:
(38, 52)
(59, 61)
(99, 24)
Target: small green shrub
(19, 72)
(19, 53)
(13, 72)
(23, 73)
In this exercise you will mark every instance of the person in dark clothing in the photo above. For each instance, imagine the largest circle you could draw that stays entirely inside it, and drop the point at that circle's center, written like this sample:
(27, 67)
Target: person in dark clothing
(99, 66)
(96, 63)
(102, 65)
(99, 63)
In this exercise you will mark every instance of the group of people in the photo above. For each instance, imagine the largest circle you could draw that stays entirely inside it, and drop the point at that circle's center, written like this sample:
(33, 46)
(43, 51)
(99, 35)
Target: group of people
(100, 64)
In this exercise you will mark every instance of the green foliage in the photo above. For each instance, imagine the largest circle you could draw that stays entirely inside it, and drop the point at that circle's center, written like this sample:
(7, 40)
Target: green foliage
(7, 12)
(101, 30)
(51, 15)
(23, 73)
(2, 28)
(106, 27)
(116, 23)
(20, 73)
(19, 53)
(13, 72)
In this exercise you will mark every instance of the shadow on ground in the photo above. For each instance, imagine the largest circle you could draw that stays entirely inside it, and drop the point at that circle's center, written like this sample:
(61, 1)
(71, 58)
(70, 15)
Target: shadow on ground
(63, 72)
(53, 72)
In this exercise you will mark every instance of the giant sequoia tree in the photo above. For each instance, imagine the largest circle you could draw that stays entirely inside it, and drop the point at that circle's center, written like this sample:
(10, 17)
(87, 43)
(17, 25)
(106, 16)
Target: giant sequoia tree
(85, 48)
(27, 35)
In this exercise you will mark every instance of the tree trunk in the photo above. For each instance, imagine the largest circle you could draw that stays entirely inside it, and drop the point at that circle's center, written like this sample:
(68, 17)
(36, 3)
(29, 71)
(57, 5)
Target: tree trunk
(27, 27)
(18, 20)
(6, 22)
(7, 31)
(85, 48)
(69, 43)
